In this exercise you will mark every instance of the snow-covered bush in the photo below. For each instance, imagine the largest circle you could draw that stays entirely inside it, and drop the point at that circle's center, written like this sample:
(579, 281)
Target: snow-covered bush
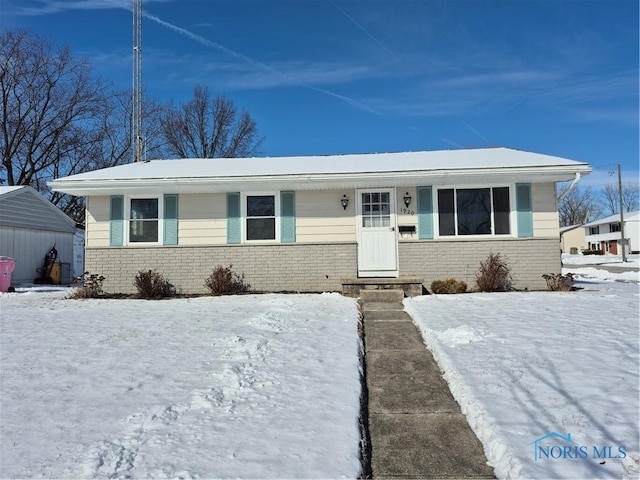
(450, 285)
(224, 281)
(152, 285)
(494, 274)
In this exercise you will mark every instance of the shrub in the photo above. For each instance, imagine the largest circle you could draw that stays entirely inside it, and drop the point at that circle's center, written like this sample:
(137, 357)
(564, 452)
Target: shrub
(152, 285)
(450, 285)
(556, 282)
(493, 275)
(224, 281)
(592, 252)
(91, 286)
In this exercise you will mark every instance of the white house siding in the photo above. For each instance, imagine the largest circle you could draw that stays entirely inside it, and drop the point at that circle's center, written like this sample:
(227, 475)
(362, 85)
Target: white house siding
(202, 219)
(605, 239)
(545, 210)
(407, 216)
(321, 218)
(29, 247)
(528, 259)
(97, 222)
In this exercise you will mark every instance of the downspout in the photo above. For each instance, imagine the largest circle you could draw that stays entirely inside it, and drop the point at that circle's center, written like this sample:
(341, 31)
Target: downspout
(570, 187)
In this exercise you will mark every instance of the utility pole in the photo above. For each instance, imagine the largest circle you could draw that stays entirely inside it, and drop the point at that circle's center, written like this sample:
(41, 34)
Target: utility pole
(136, 101)
(624, 258)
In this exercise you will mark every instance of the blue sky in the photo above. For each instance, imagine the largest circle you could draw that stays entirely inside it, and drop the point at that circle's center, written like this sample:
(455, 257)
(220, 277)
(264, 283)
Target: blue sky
(360, 76)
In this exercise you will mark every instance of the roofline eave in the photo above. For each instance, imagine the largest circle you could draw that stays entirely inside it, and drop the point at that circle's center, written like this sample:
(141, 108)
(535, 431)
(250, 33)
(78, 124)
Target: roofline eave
(320, 181)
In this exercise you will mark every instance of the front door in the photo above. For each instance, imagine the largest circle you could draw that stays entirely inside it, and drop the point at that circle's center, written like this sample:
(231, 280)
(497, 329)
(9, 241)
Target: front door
(377, 236)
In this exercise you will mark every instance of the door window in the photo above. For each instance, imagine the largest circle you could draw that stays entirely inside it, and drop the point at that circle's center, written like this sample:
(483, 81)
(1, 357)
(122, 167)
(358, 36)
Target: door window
(376, 209)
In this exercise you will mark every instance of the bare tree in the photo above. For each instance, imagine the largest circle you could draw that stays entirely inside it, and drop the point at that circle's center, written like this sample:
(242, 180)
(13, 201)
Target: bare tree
(206, 127)
(57, 120)
(578, 207)
(611, 198)
(48, 101)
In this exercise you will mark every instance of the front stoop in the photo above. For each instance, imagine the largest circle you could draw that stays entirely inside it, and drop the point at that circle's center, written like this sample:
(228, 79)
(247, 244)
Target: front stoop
(411, 286)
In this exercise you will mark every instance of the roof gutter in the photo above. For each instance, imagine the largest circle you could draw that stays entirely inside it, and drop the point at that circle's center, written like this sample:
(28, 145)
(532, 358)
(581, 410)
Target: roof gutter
(573, 185)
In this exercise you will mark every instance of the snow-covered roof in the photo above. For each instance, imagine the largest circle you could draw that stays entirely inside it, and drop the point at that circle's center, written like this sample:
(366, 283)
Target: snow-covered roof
(628, 216)
(322, 172)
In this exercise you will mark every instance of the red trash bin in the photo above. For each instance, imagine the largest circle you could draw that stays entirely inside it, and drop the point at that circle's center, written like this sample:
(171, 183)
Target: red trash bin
(7, 266)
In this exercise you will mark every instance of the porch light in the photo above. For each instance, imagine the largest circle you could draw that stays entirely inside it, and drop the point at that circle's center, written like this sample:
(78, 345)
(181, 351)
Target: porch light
(407, 199)
(344, 201)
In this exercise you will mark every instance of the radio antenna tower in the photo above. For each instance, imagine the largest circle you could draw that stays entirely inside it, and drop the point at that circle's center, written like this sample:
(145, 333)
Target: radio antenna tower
(136, 103)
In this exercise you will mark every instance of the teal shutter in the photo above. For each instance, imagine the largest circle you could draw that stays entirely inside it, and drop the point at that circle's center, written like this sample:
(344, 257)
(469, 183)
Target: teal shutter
(524, 210)
(425, 213)
(116, 220)
(234, 218)
(170, 236)
(287, 217)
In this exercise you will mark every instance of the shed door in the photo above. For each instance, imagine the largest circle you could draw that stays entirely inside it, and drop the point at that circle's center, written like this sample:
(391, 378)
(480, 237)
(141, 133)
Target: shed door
(377, 235)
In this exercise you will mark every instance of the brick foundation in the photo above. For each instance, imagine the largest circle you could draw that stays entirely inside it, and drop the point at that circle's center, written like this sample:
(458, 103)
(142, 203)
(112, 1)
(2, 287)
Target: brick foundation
(320, 267)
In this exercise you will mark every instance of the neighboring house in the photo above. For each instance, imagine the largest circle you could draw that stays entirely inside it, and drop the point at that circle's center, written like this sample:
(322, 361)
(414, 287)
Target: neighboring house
(572, 239)
(605, 235)
(29, 226)
(307, 223)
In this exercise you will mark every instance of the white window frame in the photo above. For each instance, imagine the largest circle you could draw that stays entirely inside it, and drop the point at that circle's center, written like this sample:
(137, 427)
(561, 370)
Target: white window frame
(127, 219)
(243, 210)
(512, 211)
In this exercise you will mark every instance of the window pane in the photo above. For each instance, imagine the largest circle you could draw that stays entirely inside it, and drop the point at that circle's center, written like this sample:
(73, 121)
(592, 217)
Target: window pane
(261, 229)
(144, 208)
(501, 210)
(474, 211)
(143, 231)
(261, 206)
(143, 223)
(445, 212)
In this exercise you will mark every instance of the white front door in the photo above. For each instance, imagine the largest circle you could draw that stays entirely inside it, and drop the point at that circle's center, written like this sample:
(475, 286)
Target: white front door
(377, 236)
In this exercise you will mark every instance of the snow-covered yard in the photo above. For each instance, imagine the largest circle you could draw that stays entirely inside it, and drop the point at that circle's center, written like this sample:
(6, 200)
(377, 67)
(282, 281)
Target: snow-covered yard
(267, 386)
(263, 386)
(525, 365)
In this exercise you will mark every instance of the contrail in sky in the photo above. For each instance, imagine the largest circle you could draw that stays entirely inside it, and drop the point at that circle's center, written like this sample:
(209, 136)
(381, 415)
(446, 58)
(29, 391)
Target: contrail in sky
(252, 62)
(365, 31)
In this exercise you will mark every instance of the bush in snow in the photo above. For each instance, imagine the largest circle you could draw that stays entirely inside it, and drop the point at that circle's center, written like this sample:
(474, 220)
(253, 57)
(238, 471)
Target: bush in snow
(152, 285)
(556, 282)
(224, 281)
(450, 285)
(91, 286)
(494, 274)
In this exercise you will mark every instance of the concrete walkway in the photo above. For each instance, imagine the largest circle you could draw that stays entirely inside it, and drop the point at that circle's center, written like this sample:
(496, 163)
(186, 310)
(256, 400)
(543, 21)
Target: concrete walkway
(417, 429)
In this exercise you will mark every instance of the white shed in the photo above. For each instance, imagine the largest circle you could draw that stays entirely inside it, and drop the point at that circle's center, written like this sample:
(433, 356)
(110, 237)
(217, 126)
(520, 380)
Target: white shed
(29, 226)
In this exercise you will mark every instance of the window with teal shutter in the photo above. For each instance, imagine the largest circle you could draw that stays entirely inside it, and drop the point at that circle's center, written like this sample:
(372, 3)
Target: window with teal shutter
(288, 217)
(170, 236)
(524, 210)
(425, 213)
(234, 218)
(116, 220)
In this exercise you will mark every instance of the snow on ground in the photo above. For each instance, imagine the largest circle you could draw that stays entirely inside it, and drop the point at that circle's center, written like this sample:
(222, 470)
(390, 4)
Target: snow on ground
(526, 365)
(263, 386)
(611, 260)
